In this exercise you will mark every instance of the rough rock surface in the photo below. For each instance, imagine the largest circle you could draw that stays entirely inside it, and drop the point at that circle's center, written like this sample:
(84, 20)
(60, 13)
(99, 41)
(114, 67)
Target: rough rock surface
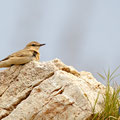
(48, 91)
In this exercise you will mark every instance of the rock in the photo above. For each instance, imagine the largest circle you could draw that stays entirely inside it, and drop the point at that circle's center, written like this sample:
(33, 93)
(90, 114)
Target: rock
(48, 91)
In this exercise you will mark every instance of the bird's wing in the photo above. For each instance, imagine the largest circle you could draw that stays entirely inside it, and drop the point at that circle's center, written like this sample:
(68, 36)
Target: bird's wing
(21, 53)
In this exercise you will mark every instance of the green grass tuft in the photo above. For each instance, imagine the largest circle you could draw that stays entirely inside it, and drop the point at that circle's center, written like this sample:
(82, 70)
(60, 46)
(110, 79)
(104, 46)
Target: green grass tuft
(111, 102)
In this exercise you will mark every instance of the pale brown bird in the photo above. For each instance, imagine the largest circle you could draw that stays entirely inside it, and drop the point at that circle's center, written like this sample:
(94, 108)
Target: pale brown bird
(29, 53)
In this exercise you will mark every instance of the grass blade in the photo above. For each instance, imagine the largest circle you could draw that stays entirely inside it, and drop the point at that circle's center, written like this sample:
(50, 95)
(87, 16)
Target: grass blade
(114, 71)
(101, 76)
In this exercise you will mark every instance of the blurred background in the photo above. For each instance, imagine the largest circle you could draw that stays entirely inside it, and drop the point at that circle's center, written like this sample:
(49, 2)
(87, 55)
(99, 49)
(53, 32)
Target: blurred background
(82, 33)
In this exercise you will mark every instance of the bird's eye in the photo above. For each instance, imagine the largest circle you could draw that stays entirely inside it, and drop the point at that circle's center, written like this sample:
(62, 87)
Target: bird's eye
(33, 44)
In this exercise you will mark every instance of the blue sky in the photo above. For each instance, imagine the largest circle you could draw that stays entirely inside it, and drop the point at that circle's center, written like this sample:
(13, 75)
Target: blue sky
(82, 33)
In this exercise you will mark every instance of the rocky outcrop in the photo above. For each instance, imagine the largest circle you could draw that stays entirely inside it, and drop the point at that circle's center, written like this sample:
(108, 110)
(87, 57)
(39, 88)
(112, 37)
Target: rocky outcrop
(48, 91)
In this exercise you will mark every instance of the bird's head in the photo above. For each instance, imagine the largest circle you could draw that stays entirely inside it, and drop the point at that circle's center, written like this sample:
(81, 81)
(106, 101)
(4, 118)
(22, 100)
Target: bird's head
(34, 45)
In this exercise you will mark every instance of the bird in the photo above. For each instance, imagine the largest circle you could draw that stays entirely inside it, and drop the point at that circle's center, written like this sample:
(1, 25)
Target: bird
(29, 53)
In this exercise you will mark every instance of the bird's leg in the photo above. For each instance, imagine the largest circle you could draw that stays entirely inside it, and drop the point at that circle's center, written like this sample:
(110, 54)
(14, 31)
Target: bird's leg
(11, 65)
(22, 64)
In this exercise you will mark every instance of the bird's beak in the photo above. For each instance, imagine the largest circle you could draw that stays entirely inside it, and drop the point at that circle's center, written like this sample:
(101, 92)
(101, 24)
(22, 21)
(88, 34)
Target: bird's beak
(42, 44)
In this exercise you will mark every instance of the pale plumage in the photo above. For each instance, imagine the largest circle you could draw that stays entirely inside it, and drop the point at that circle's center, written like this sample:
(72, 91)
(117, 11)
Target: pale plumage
(29, 53)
